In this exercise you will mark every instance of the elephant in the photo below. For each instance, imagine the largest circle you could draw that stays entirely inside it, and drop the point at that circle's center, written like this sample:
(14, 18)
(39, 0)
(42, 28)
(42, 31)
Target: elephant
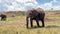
(3, 17)
(37, 15)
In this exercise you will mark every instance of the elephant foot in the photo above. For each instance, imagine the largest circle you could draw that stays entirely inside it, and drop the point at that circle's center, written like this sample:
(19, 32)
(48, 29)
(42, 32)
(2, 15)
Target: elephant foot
(38, 26)
(27, 27)
(43, 26)
(32, 27)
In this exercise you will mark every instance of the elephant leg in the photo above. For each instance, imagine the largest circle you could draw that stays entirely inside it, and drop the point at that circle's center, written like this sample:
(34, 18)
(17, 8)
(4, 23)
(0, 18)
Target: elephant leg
(42, 23)
(31, 22)
(4, 19)
(37, 21)
(27, 22)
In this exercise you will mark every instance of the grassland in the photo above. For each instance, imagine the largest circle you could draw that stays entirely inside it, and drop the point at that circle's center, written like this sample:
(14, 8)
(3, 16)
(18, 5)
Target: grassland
(17, 25)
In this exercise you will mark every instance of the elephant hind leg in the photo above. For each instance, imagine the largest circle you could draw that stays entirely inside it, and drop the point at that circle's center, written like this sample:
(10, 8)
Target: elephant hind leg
(37, 21)
(42, 23)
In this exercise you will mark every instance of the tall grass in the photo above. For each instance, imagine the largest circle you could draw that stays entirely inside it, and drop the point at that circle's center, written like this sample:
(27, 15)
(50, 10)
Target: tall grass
(17, 25)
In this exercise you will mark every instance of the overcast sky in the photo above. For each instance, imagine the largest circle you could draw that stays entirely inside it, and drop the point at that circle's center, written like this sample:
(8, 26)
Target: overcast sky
(11, 5)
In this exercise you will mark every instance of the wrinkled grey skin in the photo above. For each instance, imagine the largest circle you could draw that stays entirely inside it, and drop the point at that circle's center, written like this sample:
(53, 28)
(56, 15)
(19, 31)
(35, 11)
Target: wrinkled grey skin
(3, 17)
(37, 15)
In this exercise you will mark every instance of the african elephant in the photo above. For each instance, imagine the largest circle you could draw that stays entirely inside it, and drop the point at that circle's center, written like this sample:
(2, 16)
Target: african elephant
(37, 15)
(3, 17)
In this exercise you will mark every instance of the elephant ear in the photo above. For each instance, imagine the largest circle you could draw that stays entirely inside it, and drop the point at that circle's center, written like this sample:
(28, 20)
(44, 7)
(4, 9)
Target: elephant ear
(31, 13)
(28, 13)
(34, 13)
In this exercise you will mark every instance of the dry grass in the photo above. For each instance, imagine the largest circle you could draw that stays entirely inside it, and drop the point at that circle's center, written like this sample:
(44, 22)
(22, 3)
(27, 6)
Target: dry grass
(17, 25)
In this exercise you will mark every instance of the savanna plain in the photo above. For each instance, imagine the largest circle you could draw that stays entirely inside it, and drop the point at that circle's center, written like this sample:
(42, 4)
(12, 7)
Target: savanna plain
(17, 24)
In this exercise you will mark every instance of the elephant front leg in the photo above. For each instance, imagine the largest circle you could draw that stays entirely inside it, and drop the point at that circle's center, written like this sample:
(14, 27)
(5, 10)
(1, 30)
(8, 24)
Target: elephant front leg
(27, 22)
(31, 22)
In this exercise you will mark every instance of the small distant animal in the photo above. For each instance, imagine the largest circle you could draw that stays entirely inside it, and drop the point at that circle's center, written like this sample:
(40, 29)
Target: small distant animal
(3, 17)
(37, 15)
